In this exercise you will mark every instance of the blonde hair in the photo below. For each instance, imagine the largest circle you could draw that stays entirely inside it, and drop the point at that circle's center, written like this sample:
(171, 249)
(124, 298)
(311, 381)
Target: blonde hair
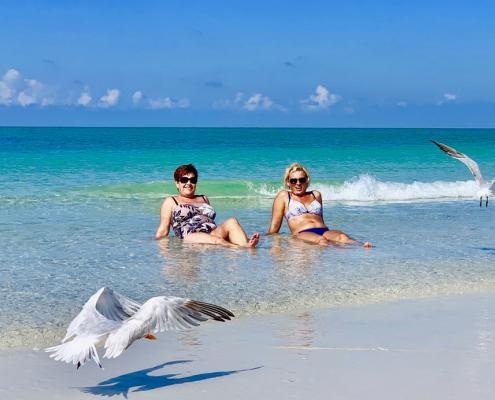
(293, 168)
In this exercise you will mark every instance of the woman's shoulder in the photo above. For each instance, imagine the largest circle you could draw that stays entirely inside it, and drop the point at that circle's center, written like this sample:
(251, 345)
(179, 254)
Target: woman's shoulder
(282, 194)
(170, 200)
(317, 195)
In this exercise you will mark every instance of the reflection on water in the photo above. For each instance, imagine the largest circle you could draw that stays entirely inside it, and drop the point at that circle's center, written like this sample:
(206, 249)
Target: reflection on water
(186, 268)
(180, 269)
(293, 257)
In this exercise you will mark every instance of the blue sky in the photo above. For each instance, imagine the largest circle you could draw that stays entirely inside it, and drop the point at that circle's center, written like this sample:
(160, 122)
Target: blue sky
(257, 63)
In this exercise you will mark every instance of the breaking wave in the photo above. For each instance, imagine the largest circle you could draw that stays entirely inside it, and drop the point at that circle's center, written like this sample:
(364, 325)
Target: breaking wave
(361, 189)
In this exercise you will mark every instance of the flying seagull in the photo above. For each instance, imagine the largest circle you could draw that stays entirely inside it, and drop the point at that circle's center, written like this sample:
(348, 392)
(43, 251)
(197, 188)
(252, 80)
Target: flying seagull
(114, 321)
(485, 188)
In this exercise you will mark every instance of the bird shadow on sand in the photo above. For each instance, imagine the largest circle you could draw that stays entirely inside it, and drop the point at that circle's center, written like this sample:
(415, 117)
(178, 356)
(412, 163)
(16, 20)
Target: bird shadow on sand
(142, 381)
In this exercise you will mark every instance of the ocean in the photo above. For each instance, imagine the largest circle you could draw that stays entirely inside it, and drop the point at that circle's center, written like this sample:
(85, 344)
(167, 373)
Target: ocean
(79, 207)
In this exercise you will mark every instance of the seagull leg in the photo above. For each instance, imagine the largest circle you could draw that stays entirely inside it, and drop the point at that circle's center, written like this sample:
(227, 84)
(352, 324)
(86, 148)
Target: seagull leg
(149, 336)
(481, 201)
(486, 201)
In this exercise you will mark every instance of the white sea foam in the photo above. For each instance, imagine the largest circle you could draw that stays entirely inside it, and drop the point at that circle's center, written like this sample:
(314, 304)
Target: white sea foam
(367, 188)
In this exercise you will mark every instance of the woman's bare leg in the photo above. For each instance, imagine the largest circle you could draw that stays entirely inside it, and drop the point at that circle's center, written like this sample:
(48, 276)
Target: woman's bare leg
(314, 238)
(232, 231)
(341, 237)
(207, 238)
(338, 237)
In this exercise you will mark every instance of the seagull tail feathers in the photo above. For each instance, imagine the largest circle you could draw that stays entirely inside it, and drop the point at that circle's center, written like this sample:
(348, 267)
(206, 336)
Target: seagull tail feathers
(77, 351)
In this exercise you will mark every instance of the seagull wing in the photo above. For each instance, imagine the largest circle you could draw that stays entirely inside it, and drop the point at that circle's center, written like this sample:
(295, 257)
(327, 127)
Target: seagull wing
(77, 351)
(102, 313)
(471, 164)
(160, 314)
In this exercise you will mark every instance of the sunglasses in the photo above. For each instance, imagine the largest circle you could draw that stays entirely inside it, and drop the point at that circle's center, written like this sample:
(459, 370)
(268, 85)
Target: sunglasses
(293, 181)
(186, 179)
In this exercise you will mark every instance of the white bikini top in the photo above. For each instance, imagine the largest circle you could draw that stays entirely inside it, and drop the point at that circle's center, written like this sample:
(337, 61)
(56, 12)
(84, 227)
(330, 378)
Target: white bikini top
(296, 208)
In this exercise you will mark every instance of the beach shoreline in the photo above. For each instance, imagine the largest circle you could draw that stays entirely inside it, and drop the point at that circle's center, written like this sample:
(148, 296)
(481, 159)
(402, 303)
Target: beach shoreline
(432, 348)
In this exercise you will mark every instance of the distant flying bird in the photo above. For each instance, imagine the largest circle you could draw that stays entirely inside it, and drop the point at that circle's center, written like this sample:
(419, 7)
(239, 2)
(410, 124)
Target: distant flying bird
(113, 321)
(485, 188)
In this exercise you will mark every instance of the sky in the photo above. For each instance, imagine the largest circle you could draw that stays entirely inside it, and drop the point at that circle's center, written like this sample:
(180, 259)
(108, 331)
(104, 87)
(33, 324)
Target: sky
(258, 63)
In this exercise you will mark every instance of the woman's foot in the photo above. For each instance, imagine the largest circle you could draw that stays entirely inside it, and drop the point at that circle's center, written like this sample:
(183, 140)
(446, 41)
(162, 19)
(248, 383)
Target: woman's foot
(253, 240)
(368, 245)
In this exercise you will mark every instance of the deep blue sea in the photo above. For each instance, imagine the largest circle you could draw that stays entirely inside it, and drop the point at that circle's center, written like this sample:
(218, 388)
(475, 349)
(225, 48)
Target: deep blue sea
(79, 207)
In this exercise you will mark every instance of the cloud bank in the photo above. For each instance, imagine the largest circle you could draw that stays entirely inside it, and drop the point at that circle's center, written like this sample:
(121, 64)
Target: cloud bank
(256, 102)
(15, 90)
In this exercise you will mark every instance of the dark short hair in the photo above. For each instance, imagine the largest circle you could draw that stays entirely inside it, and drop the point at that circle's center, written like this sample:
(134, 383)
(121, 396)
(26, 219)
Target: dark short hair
(185, 169)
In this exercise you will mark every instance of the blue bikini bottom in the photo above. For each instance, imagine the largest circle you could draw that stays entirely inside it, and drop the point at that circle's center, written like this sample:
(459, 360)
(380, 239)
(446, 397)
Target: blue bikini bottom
(318, 231)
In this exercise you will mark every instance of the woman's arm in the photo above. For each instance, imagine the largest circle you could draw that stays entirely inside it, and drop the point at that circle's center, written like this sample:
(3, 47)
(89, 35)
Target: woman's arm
(165, 218)
(277, 212)
(320, 200)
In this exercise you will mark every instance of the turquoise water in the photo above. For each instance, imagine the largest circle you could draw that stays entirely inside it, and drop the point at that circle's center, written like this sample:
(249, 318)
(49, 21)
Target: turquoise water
(79, 206)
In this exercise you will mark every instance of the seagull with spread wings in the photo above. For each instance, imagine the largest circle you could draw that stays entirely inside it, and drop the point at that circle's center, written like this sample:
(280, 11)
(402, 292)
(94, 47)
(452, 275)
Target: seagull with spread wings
(114, 321)
(485, 188)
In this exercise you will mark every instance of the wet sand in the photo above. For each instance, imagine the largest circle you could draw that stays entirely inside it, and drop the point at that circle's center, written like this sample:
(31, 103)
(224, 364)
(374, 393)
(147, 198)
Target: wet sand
(440, 348)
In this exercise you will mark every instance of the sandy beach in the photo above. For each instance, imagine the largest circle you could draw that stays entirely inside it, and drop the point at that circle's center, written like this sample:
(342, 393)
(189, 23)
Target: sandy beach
(440, 348)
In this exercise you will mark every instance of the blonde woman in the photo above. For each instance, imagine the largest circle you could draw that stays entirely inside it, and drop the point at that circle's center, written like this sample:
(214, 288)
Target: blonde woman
(303, 210)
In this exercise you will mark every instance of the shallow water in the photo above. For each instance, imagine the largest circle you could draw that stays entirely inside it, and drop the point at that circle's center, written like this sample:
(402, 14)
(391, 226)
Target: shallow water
(78, 209)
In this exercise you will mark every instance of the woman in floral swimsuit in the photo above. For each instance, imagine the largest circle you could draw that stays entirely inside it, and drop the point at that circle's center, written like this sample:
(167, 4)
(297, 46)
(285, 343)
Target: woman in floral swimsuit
(193, 219)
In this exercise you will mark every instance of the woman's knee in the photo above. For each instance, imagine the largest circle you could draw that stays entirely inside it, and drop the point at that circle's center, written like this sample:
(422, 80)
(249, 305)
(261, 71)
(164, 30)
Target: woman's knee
(323, 241)
(335, 235)
(232, 221)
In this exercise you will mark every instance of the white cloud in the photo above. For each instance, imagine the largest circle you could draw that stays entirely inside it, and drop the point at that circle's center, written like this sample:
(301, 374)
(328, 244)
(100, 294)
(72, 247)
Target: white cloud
(85, 98)
(8, 87)
(168, 103)
(136, 97)
(257, 102)
(157, 104)
(321, 100)
(110, 99)
(34, 85)
(25, 99)
(6, 94)
(11, 76)
(447, 97)
(450, 97)
(402, 104)
(228, 103)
